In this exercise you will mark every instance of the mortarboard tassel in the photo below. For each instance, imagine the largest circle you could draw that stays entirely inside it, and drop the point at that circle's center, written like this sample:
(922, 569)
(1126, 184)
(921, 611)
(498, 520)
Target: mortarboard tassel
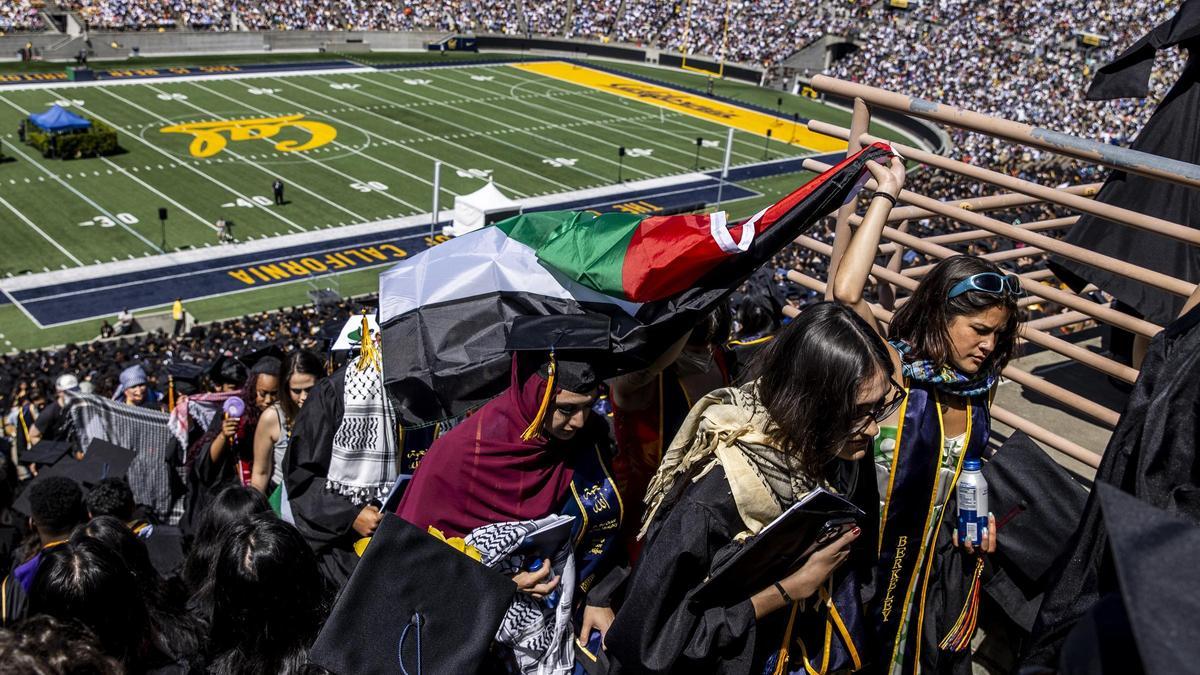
(370, 353)
(535, 427)
(170, 392)
(959, 637)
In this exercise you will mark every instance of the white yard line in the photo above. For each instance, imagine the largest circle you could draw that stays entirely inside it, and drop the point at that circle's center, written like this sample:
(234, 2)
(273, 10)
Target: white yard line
(151, 188)
(88, 200)
(396, 122)
(40, 231)
(618, 103)
(565, 128)
(310, 159)
(175, 160)
(488, 120)
(463, 109)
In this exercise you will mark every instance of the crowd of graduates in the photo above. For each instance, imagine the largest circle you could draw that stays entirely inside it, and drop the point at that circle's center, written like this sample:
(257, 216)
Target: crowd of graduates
(312, 520)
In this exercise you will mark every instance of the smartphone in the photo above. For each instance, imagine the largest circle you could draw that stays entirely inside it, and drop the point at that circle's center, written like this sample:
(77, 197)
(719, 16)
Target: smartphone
(833, 529)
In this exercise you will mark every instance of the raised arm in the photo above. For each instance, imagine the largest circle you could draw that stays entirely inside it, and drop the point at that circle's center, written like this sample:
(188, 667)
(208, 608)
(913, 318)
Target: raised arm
(855, 265)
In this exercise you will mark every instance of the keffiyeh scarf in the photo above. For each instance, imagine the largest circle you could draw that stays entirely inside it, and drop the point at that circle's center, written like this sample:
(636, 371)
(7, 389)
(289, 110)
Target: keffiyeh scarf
(139, 429)
(363, 466)
(541, 637)
(730, 428)
(945, 377)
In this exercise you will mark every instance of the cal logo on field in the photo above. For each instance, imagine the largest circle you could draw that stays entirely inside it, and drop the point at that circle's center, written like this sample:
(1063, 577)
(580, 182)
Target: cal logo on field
(685, 102)
(208, 137)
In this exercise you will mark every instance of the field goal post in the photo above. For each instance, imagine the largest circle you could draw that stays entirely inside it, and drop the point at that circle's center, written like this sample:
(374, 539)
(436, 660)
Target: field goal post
(687, 32)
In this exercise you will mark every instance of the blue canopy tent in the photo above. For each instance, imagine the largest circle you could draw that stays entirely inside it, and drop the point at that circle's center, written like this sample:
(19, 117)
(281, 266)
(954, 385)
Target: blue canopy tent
(57, 120)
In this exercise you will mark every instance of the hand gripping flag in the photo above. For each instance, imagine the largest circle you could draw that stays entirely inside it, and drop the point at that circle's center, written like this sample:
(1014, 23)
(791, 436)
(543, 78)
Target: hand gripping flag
(446, 311)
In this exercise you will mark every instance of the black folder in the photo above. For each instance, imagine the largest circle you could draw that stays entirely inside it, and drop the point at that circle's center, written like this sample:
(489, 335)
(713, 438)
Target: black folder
(780, 548)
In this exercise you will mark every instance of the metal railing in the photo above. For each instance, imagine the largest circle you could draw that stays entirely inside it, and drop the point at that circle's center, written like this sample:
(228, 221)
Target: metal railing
(893, 280)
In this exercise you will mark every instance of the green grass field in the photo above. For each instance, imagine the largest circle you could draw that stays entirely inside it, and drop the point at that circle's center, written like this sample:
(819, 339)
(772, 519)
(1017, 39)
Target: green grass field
(530, 134)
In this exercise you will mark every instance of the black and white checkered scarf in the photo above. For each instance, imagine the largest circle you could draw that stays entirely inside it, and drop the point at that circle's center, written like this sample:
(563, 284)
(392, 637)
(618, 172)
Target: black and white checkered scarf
(144, 432)
(363, 466)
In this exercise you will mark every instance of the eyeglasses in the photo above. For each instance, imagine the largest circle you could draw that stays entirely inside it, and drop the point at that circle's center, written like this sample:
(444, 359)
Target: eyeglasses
(884, 409)
(989, 282)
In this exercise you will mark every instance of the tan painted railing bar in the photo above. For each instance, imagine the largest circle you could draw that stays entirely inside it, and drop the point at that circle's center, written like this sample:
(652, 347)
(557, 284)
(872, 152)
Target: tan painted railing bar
(1080, 254)
(1115, 214)
(1038, 433)
(1070, 300)
(1041, 385)
(1109, 155)
(1058, 320)
(988, 203)
(974, 235)
(1055, 344)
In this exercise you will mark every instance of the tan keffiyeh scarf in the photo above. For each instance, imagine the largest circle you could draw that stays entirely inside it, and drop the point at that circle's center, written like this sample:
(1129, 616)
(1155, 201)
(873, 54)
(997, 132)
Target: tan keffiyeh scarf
(730, 428)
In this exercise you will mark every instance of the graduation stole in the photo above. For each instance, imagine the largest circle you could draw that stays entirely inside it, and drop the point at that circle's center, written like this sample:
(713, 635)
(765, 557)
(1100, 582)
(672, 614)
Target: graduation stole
(596, 505)
(908, 511)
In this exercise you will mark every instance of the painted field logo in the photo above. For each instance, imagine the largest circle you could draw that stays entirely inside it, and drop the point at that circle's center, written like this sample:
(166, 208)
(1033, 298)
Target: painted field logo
(208, 139)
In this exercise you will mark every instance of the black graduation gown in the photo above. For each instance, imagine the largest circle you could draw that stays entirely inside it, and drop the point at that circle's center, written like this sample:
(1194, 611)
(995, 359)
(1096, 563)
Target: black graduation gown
(656, 631)
(324, 518)
(206, 478)
(1172, 132)
(1152, 455)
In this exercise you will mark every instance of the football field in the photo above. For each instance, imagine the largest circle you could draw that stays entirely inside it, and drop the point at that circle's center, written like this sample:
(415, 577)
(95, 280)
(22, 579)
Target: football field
(353, 146)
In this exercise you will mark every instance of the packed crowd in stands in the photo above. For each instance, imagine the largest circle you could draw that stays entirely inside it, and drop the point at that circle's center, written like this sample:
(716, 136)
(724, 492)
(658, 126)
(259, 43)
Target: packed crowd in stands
(19, 15)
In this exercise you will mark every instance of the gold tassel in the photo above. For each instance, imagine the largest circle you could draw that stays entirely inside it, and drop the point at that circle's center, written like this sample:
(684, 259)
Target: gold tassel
(959, 637)
(370, 353)
(170, 392)
(781, 662)
(535, 427)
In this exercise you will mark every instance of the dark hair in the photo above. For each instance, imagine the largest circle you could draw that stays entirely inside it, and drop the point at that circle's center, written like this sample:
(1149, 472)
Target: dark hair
(268, 600)
(88, 582)
(170, 631)
(809, 377)
(714, 328)
(111, 497)
(43, 645)
(116, 535)
(56, 505)
(234, 504)
(755, 318)
(924, 320)
(299, 362)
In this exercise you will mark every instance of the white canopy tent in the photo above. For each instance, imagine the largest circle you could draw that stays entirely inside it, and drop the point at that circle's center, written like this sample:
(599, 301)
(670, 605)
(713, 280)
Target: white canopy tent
(471, 211)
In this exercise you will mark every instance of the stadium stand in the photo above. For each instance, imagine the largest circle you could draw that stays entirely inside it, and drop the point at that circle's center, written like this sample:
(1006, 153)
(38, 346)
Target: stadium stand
(19, 16)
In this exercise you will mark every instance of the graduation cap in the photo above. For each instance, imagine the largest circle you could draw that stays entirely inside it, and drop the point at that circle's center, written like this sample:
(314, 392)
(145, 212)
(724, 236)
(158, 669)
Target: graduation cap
(102, 460)
(183, 379)
(1037, 504)
(1149, 625)
(567, 349)
(227, 370)
(269, 360)
(350, 333)
(439, 613)
(45, 453)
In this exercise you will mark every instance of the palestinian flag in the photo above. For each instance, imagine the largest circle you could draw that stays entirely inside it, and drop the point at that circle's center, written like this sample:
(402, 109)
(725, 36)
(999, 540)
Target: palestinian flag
(445, 312)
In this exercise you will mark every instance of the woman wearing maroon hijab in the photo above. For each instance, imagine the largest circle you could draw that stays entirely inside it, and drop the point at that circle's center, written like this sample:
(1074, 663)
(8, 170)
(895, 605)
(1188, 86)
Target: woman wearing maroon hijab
(532, 452)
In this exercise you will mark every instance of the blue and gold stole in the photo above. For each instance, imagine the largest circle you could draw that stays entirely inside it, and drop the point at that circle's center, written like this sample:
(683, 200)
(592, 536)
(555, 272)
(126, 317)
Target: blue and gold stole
(596, 505)
(907, 528)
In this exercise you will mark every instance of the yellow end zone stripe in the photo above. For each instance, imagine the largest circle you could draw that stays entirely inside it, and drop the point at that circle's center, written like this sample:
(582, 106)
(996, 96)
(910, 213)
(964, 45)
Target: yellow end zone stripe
(703, 107)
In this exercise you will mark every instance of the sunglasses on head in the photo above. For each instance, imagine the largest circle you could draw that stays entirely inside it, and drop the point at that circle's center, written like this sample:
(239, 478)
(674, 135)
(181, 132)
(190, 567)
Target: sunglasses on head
(989, 282)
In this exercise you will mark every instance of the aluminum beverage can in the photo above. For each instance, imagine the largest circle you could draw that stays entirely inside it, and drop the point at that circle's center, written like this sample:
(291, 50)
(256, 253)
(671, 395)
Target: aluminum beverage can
(972, 503)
